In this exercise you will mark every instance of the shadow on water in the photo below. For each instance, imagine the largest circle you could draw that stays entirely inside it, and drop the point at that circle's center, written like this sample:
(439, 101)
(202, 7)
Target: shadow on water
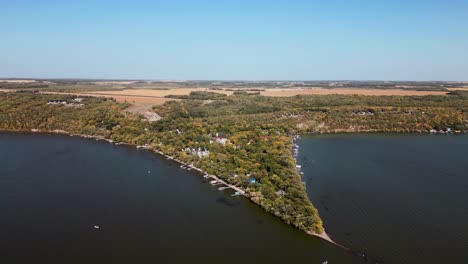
(225, 201)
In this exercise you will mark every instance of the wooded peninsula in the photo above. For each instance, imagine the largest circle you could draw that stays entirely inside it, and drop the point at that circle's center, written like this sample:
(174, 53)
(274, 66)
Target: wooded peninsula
(245, 139)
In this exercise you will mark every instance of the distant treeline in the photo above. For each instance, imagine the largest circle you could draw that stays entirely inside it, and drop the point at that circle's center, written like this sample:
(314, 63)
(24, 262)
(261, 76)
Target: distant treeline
(26, 85)
(200, 95)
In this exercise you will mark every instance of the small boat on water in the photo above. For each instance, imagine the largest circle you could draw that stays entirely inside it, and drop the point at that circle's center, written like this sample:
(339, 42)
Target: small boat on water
(236, 194)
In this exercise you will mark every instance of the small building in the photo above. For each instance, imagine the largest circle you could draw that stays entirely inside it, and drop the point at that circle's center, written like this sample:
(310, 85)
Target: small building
(221, 140)
(199, 152)
(281, 193)
(203, 153)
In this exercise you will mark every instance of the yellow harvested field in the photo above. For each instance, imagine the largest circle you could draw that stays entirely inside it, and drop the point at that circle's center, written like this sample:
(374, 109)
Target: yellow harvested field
(269, 92)
(376, 92)
(465, 88)
(149, 96)
(17, 81)
(157, 93)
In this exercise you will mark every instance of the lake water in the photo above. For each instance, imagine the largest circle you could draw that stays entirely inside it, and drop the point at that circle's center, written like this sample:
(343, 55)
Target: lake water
(55, 189)
(399, 198)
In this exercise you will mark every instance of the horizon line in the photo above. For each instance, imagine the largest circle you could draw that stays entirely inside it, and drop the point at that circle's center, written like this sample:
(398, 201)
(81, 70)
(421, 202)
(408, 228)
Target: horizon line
(229, 80)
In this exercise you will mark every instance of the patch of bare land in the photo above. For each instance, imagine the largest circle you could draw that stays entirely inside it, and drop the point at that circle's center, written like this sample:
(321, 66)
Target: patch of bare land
(144, 109)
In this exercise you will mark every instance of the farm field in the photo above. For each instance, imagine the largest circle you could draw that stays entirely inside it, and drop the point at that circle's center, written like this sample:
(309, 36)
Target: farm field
(136, 94)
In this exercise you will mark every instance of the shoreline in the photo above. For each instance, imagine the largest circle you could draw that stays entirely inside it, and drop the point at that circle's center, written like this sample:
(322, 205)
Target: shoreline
(324, 236)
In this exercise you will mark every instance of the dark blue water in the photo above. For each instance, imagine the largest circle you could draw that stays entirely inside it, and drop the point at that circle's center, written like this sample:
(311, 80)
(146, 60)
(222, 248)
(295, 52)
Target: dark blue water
(54, 189)
(400, 198)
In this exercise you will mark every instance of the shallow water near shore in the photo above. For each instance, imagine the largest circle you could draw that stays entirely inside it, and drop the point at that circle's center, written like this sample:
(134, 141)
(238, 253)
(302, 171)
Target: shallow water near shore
(70, 200)
(398, 198)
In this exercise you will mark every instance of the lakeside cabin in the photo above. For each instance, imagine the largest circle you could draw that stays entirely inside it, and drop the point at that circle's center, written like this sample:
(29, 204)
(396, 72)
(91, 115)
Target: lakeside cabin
(199, 152)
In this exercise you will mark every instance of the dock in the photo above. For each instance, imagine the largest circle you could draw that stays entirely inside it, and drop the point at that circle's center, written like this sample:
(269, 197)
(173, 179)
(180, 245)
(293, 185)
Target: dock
(238, 190)
(217, 181)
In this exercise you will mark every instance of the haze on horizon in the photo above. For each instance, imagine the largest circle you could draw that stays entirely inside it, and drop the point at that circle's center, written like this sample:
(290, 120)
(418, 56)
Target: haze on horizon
(235, 40)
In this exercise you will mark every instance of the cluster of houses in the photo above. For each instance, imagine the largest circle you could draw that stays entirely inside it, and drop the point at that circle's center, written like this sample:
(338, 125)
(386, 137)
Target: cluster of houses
(76, 102)
(199, 152)
(220, 140)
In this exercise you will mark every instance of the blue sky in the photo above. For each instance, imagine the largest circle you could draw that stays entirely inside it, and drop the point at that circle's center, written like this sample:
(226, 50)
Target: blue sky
(235, 40)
